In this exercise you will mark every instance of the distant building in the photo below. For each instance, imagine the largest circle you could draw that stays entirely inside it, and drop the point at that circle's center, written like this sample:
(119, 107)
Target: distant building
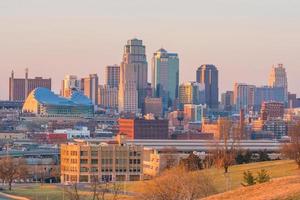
(108, 97)
(278, 78)
(267, 94)
(227, 100)
(194, 113)
(191, 93)
(272, 110)
(70, 84)
(90, 87)
(44, 103)
(83, 162)
(277, 126)
(219, 128)
(243, 96)
(208, 75)
(112, 76)
(19, 88)
(165, 76)
(80, 132)
(144, 128)
(153, 106)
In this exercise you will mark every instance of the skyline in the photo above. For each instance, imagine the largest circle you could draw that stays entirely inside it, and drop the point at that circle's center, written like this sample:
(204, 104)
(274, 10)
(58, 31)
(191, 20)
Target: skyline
(86, 38)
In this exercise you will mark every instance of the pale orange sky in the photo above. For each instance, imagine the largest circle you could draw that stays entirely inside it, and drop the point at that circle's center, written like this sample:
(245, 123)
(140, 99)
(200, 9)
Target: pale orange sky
(58, 37)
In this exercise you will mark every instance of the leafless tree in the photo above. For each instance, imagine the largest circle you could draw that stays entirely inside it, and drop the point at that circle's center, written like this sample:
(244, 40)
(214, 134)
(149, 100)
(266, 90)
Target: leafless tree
(292, 149)
(12, 169)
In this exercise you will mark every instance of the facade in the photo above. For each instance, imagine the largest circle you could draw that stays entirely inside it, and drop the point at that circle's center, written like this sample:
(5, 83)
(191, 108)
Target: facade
(108, 97)
(90, 87)
(194, 113)
(227, 100)
(243, 96)
(44, 103)
(133, 77)
(80, 132)
(144, 128)
(278, 78)
(19, 88)
(153, 106)
(267, 94)
(84, 162)
(112, 76)
(165, 76)
(191, 93)
(272, 110)
(219, 128)
(209, 76)
(70, 84)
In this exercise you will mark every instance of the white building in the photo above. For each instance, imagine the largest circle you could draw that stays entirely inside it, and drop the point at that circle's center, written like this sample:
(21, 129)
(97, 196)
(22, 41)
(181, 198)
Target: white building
(278, 78)
(81, 132)
(69, 84)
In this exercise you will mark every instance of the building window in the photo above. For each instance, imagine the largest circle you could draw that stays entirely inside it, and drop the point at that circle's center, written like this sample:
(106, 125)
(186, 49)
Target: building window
(83, 161)
(94, 161)
(83, 153)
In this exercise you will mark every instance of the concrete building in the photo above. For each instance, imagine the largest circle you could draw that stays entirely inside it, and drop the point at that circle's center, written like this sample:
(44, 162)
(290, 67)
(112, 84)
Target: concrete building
(112, 76)
(278, 78)
(271, 110)
(108, 97)
(79, 132)
(153, 106)
(84, 162)
(90, 87)
(194, 113)
(70, 84)
(133, 77)
(191, 93)
(267, 94)
(243, 96)
(20, 88)
(227, 100)
(277, 126)
(219, 128)
(144, 128)
(208, 75)
(165, 76)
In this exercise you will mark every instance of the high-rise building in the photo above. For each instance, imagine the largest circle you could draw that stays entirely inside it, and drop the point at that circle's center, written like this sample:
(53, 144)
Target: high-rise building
(208, 75)
(70, 84)
(153, 106)
(243, 96)
(278, 78)
(133, 77)
(227, 100)
(165, 76)
(191, 93)
(90, 87)
(112, 76)
(108, 97)
(20, 88)
(194, 113)
(267, 94)
(271, 110)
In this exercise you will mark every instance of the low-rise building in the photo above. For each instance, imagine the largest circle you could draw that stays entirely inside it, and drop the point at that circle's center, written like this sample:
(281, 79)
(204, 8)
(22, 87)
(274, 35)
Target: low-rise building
(80, 132)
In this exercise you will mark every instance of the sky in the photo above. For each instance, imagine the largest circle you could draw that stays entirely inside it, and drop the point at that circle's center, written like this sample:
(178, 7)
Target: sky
(243, 38)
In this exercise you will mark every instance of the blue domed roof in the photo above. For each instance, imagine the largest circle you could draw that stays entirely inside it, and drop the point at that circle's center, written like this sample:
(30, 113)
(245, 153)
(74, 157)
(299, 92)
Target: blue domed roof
(47, 97)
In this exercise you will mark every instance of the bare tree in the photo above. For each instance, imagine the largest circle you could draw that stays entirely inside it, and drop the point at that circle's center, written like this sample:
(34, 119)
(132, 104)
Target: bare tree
(12, 169)
(73, 192)
(170, 157)
(292, 149)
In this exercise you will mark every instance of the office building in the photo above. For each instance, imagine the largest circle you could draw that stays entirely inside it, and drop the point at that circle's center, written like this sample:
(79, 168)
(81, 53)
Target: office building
(108, 97)
(191, 93)
(243, 96)
(153, 106)
(209, 76)
(227, 100)
(112, 76)
(220, 128)
(267, 94)
(84, 162)
(70, 84)
(90, 87)
(19, 88)
(144, 128)
(133, 77)
(194, 113)
(44, 103)
(278, 78)
(271, 110)
(165, 76)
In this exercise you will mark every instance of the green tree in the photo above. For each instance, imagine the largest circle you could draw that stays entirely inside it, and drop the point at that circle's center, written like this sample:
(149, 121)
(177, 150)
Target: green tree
(263, 176)
(249, 179)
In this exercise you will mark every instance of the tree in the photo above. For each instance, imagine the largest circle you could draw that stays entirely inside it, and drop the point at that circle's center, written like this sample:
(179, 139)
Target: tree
(12, 169)
(191, 163)
(263, 156)
(263, 176)
(292, 149)
(249, 179)
(170, 157)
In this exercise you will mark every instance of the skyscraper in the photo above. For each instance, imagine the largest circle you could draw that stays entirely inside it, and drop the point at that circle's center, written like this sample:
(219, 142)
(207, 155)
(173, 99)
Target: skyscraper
(70, 84)
(20, 88)
(90, 87)
(278, 78)
(191, 93)
(165, 76)
(227, 100)
(112, 76)
(209, 76)
(108, 97)
(243, 96)
(133, 77)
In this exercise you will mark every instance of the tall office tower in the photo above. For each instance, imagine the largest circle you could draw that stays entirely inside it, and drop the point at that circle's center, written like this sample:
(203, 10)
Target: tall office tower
(209, 76)
(191, 93)
(243, 96)
(267, 94)
(133, 77)
(108, 97)
(165, 76)
(90, 87)
(70, 84)
(112, 76)
(20, 88)
(278, 78)
(227, 100)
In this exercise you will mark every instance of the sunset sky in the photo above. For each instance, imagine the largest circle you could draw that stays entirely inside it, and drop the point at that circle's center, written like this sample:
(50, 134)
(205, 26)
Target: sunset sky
(243, 38)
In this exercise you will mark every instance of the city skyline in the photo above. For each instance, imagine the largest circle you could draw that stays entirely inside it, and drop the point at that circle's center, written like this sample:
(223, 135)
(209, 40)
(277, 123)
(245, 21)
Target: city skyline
(86, 38)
